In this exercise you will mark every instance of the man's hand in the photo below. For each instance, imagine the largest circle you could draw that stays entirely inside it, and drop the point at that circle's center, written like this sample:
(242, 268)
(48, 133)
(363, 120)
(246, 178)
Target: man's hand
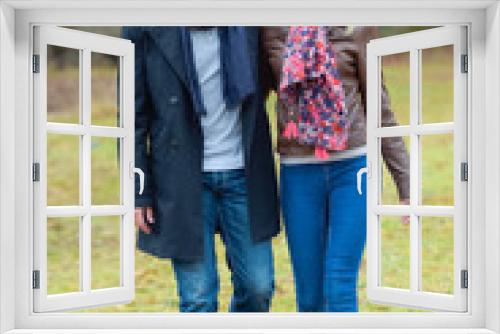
(405, 219)
(143, 217)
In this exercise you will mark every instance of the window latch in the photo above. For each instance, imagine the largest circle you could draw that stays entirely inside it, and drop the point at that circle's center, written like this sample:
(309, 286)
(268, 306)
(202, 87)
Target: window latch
(359, 179)
(138, 171)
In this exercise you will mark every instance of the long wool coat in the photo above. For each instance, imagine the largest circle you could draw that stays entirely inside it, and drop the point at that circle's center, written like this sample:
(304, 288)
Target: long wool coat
(169, 148)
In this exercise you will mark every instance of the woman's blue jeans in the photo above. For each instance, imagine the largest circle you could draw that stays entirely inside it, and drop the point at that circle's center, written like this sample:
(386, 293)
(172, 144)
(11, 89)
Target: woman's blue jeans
(325, 221)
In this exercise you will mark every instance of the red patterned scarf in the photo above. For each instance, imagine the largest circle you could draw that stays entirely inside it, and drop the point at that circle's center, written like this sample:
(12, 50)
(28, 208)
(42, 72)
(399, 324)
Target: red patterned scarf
(311, 92)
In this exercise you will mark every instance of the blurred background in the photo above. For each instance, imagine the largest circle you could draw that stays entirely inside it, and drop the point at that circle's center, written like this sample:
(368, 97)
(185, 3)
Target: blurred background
(154, 279)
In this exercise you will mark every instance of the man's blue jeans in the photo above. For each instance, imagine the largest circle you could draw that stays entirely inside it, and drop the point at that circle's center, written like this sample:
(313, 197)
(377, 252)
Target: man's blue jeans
(325, 221)
(225, 207)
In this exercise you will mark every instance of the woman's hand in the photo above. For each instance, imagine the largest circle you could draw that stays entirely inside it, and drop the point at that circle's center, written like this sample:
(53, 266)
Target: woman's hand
(405, 219)
(144, 217)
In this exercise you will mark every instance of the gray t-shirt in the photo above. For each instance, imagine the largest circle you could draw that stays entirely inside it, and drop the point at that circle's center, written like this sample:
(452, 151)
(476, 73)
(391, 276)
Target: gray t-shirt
(223, 148)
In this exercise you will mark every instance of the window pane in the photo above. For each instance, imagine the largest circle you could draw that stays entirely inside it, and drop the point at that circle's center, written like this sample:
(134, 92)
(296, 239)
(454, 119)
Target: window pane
(437, 254)
(63, 254)
(105, 87)
(105, 252)
(63, 84)
(437, 84)
(395, 253)
(437, 169)
(105, 171)
(63, 174)
(396, 77)
(388, 188)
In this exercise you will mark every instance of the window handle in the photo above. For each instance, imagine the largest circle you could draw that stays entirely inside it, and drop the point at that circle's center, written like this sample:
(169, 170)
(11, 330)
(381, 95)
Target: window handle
(135, 170)
(360, 173)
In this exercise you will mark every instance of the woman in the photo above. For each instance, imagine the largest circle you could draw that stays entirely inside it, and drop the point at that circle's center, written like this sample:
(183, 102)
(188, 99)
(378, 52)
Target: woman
(325, 215)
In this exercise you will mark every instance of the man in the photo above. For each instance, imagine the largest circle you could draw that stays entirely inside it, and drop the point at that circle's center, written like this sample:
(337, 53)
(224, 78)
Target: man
(203, 142)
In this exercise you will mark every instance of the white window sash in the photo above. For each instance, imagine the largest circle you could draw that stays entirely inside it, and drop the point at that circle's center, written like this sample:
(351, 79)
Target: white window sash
(414, 297)
(86, 43)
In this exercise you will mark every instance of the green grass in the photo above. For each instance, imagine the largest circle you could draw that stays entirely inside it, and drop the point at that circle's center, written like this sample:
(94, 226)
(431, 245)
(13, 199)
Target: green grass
(155, 283)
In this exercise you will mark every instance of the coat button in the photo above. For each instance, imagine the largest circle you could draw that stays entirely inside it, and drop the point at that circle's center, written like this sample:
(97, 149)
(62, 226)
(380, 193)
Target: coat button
(174, 144)
(174, 99)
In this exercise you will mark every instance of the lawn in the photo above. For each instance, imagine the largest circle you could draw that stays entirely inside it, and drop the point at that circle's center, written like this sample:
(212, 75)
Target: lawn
(155, 284)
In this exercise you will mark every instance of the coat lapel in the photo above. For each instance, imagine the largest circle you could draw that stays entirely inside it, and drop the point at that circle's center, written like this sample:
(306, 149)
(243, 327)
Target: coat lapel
(169, 42)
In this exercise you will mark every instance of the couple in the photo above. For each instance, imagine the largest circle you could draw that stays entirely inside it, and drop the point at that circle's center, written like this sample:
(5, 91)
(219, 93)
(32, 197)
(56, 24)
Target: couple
(203, 142)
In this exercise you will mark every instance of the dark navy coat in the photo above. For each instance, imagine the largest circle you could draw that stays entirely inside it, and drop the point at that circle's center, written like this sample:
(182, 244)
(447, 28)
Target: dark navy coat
(169, 148)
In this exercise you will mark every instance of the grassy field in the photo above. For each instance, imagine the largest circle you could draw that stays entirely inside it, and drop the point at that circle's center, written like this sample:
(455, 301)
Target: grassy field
(155, 284)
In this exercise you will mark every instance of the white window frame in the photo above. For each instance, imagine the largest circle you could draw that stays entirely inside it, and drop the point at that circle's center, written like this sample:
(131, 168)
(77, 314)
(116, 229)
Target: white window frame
(16, 20)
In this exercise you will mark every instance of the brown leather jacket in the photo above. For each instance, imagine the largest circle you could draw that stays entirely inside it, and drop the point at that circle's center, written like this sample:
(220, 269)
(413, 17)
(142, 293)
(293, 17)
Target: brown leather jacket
(350, 53)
